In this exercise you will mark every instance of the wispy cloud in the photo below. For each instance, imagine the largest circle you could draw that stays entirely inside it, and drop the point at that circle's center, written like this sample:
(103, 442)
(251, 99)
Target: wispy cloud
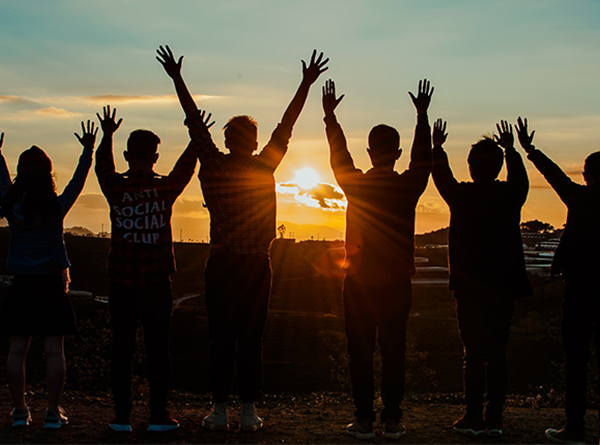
(92, 201)
(58, 112)
(159, 99)
(15, 100)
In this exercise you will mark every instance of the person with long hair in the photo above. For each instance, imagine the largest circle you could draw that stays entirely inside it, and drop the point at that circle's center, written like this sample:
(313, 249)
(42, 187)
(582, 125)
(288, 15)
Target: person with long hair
(37, 303)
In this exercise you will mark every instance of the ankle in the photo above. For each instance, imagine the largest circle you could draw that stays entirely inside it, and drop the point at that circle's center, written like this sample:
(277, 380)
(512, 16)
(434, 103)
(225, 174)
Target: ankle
(248, 408)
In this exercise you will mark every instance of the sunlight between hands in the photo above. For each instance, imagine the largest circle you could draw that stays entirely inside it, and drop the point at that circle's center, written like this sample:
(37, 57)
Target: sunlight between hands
(88, 135)
(330, 102)
(167, 60)
(525, 139)
(505, 139)
(317, 66)
(439, 134)
(108, 124)
(206, 118)
(423, 98)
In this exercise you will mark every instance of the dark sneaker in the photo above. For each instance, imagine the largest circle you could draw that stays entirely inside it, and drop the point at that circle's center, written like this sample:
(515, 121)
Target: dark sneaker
(393, 430)
(565, 436)
(162, 424)
(54, 420)
(471, 426)
(120, 425)
(250, 422)
(493, 426)
(217, 419)
(361, 429)
(20, 417)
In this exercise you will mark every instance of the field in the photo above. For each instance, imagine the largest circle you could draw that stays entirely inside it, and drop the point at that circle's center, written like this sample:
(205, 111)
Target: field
(305, 363)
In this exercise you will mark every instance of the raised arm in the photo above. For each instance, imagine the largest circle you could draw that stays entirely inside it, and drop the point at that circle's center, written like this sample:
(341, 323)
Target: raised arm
(73, 189)
(420, 154)
(105, 163)
(173, 70)
(4, 173)
(272, 154)
(340, 158)
(564, 186)
(517, 174)
(442, 173)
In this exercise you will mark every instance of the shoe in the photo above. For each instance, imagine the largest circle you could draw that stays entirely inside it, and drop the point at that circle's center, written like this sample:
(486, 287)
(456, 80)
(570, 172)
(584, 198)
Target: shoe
(162, 424)
(393, 430)
(470, 426)
(249, 420)
(54, 420)
(20, 417)
(361, 429)
(565, 436)
(493, 427)
(120, 425)
(217, 419)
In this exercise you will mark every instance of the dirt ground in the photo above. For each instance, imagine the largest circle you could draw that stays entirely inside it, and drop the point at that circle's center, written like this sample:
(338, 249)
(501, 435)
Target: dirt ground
(316, 418)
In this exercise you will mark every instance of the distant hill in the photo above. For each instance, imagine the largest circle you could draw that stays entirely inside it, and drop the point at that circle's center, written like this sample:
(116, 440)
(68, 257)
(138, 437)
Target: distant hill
(439, 236)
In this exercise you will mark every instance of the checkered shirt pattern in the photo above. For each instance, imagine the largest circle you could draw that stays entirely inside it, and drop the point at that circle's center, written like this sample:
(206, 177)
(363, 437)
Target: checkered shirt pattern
(240, 197)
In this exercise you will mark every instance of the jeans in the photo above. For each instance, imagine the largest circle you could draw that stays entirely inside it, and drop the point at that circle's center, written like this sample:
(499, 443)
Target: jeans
(484, 326)
(152, 305)
(377, 313)
(237, 299)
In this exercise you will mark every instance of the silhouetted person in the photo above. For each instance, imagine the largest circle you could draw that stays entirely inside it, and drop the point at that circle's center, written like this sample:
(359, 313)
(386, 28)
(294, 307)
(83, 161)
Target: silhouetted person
(239, 190)
(487, 266)
(577, 259)
(380, 226)
(37, 302)
(140, 264)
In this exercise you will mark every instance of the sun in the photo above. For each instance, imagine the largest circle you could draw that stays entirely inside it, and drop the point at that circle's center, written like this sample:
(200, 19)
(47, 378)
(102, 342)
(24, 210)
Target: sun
(306, 178)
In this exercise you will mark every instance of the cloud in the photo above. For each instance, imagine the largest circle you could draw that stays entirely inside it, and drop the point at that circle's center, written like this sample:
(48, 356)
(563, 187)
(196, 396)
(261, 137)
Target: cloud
(58, 112)
(190, 207)
(325, 196)
(15, 100)
(160, 99)
(432, 207)
(92, 201)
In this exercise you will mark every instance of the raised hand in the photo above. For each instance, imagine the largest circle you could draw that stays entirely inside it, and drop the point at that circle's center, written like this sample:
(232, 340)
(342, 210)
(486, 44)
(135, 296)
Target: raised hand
(167, 60)
(439, 134)
(206, 118)
(505, 139)
(423, 98)
(88, 135)
(525, 139)
(330, 102)
(317, 66)
(108, 124)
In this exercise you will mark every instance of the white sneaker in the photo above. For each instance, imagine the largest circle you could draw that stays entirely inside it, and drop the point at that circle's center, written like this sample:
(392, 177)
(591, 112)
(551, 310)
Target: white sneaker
(54, 420)
(249, 420)
(217, 419)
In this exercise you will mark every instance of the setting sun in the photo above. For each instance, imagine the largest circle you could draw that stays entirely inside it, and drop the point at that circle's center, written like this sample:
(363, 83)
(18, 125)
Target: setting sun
(306, 178)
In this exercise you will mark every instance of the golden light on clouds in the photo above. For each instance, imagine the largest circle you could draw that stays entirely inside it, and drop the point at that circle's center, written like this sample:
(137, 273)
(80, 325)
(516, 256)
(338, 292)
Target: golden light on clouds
(306, 178)
(157, 100)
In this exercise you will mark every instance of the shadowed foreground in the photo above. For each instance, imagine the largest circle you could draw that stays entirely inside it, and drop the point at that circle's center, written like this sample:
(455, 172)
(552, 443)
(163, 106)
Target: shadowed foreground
(314, 418)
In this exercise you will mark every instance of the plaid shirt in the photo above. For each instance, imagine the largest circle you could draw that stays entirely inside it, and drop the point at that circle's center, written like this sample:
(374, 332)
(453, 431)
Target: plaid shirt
(141, 248)
(239, 197)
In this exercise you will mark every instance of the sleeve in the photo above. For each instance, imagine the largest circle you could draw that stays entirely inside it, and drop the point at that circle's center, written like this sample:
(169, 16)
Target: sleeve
(77, 182)
(183, 171)
(209, 155)
(272, 154)
(344, 170)
(105, 164)
(443, 178)
(419, 167)
(517, 175)
(4, 176)
(564, 186)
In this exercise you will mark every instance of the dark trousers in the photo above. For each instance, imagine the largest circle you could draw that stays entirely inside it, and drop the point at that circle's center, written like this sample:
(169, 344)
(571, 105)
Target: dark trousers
(484, 326)
(377, 313)
(237, 298)
(580, 323)
(152, 305)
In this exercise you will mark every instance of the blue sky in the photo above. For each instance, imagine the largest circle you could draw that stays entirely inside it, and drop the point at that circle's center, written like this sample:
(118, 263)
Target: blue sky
(488, 60)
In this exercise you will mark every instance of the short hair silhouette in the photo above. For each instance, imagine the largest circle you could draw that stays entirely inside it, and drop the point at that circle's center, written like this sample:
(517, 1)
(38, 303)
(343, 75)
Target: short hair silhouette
(142, 144)
(591, 167)
(241, 132)
(485, 159)
(384, 142)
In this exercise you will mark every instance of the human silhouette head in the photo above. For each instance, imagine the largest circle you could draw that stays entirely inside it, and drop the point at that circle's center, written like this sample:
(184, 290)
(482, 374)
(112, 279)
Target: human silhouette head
(241, 135)
(485, 160)
(591, 168)
(384, 146)
(142, 150)
(34, 164)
